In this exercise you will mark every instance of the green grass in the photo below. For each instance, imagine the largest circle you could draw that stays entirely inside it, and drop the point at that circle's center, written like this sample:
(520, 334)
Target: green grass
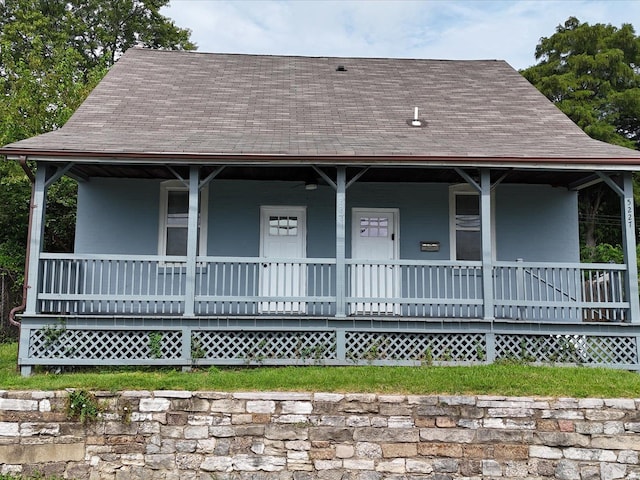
(501, 379)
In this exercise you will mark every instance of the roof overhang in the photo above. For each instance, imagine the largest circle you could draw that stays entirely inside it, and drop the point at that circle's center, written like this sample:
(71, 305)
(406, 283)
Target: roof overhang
(572, 173)
(178, 158)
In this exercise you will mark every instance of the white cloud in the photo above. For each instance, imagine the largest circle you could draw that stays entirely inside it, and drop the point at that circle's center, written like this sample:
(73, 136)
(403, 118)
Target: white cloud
(454, 29)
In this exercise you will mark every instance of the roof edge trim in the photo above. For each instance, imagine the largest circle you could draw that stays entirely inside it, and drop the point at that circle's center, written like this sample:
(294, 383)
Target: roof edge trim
(497, 161)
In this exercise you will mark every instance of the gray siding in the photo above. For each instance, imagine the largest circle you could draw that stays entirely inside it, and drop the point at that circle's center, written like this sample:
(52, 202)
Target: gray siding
(234, 216)
(536, 223)
(117, 216)
(424, 214)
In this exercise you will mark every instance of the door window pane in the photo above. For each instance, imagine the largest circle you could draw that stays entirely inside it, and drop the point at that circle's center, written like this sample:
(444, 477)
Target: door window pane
(283, 226)
(374, 226)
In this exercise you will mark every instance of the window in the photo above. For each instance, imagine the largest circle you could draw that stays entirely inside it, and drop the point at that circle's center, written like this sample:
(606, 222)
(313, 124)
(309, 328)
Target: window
(466, 234)
(283, 226)
(467, 218)
(174, 219)
(374, 226)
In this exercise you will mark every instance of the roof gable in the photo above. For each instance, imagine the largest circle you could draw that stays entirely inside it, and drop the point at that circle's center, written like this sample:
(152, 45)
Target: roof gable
(185, 103)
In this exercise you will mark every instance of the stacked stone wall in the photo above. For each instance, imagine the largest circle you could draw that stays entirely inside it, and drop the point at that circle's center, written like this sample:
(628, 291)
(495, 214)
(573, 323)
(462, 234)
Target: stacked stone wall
(168, 435)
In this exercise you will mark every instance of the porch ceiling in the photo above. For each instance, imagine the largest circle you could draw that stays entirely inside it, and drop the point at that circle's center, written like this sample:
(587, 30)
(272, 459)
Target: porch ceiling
(559, 178)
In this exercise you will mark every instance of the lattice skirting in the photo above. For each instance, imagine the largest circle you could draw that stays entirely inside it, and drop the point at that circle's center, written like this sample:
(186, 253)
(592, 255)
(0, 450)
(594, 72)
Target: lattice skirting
(189, 345)
(572, 349)
(58, 343)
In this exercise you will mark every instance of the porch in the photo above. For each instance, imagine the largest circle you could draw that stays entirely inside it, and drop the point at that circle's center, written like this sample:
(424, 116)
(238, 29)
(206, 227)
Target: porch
(131, 310)
(194, 309)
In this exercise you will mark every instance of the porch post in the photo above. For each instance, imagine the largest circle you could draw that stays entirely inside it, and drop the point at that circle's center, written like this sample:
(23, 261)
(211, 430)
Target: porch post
(341, 284)
(629, 241)
(192, 242)
(36, 241)
(487, 244)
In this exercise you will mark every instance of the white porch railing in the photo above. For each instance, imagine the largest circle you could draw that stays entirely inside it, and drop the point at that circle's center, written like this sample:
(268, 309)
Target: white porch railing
(415, 289)
(253, 286)
(111, 284)
(154, 285)
(566, 292)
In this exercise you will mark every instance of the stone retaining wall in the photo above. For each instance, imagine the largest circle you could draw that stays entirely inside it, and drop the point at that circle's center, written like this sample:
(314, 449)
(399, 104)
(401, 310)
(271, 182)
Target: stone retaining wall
(298, 436)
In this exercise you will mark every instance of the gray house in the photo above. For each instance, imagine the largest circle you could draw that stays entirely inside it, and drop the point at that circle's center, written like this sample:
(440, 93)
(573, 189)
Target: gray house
(238, 209)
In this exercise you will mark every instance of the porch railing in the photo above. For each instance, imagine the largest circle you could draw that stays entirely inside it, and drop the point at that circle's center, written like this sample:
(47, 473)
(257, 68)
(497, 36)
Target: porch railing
(111, 284)
(253, 286)
(231, 286)
(567, 292)
(415, 289)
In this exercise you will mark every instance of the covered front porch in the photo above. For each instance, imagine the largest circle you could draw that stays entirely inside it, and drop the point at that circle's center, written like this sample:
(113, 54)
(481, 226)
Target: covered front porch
(202, 309)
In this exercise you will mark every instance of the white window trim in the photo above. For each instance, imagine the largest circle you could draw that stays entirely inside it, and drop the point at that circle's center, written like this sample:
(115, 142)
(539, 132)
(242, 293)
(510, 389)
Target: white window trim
(177, 185)
(466, 189)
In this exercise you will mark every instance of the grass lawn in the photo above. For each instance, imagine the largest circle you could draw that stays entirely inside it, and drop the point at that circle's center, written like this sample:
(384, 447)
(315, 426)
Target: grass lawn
(501, 379)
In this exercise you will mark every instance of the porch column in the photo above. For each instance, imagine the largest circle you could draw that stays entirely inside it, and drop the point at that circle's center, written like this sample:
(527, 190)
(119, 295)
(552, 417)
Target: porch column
(36, 238)
(341, 284)
(487, 244)
(192, 242)
(629, 241)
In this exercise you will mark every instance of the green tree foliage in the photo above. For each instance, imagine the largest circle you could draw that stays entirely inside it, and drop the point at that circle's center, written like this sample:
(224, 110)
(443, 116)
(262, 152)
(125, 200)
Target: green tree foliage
(592, 73)
(52, 54)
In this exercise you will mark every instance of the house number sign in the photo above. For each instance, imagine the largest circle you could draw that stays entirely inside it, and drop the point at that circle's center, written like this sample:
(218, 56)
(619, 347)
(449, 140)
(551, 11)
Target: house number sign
(629, 212)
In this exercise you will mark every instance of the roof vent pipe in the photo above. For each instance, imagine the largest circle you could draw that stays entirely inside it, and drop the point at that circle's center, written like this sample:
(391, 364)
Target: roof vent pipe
(415, 122)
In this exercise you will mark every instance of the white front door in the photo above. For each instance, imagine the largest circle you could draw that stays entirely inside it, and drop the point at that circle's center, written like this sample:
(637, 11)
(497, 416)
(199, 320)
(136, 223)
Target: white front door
(374, 241)
(283, 239)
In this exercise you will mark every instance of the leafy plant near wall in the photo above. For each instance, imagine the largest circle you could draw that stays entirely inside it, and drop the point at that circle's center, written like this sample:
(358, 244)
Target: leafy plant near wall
(197, 350)
(258, 353)
(603, 253)
(155, 344)
(53, 333)
(83, 406)
(481, 352)
(427, 357)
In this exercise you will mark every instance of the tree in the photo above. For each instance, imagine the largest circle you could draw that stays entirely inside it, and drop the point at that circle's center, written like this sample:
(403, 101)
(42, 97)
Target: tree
(592, 73)
(52, 54)
(102, 30)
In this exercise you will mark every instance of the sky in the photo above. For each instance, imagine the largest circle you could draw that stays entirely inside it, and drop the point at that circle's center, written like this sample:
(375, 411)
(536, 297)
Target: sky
(429, 29)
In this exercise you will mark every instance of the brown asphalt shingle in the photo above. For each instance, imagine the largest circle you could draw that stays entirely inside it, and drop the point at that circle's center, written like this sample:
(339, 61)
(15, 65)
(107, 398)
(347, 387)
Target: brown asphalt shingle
(169, 102)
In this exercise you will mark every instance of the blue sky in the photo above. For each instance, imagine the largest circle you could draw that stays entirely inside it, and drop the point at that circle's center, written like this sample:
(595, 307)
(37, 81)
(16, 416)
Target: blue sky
(451, 29)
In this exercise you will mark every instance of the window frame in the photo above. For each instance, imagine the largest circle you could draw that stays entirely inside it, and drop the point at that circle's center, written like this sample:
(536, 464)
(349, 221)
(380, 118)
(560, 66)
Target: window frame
(466, 189)
(163, 224)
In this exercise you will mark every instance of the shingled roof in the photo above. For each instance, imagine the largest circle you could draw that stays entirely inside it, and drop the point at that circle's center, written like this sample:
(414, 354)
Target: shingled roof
(188, 105)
